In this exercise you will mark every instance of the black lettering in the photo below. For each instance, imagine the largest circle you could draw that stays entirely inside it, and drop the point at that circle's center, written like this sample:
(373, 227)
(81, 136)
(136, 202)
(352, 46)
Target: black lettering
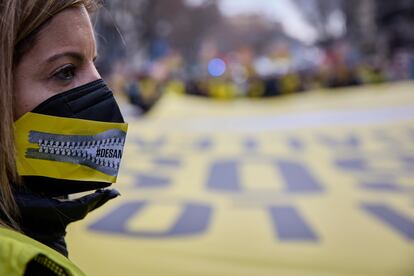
(109, 153)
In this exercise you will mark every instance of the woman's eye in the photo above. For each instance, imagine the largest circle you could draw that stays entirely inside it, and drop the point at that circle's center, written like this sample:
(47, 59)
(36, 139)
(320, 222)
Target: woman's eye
(66, 73)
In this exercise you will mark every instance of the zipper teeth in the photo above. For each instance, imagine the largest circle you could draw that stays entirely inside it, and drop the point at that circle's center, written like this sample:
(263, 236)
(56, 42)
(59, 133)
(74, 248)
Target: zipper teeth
(80, 149)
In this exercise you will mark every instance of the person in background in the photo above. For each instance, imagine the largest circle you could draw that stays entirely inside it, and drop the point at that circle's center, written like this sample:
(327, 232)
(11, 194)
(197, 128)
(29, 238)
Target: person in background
(61, 132)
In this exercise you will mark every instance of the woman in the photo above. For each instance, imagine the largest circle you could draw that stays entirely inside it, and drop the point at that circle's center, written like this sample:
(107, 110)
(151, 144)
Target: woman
(68, 132)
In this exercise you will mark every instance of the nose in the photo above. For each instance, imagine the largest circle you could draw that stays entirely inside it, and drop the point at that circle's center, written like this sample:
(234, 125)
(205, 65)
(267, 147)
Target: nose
(94, 72)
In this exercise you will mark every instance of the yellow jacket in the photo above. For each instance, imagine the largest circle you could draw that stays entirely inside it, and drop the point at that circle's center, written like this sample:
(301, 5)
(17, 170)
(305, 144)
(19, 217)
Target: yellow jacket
(18, 250)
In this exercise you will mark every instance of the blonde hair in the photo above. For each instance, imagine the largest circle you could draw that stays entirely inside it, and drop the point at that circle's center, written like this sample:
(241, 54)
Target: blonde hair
(20, 21)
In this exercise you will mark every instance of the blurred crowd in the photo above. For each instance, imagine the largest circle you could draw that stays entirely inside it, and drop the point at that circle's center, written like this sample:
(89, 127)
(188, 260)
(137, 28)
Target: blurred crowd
(282, 69)
(200, 47)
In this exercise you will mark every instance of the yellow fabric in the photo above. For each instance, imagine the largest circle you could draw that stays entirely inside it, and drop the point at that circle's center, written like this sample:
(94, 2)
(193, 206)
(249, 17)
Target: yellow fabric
(175, 86)
(58, 125)
(263, 148)
(16, 250)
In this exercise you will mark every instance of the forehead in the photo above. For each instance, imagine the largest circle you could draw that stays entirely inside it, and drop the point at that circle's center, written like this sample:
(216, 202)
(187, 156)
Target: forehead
(69, 30)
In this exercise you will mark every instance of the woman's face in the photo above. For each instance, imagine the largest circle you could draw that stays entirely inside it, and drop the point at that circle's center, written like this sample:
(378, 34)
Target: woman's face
(61, 58)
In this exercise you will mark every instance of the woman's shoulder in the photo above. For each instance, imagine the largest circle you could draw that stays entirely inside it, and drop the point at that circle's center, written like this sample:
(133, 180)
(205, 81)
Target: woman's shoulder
(21, 255)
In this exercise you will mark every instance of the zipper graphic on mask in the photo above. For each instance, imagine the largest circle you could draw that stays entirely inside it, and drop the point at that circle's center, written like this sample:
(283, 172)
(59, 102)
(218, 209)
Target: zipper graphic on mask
(101, 152)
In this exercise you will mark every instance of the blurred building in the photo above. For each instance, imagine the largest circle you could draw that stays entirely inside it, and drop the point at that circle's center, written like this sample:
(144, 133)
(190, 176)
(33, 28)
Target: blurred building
(381, 24)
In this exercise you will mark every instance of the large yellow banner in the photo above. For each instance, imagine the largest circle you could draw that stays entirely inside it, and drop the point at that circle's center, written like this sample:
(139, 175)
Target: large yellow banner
(320, 183)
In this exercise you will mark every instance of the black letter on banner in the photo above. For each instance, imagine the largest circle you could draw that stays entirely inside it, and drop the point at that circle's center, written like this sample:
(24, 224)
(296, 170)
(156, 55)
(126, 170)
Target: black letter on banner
(224, 175)
(352, 142)
(193, 220)
(250, 144)
(150, 145)
(403, 225)
(298, 179)
(289, 225)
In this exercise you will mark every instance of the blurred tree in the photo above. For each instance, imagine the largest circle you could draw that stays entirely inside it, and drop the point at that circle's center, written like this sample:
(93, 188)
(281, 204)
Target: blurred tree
(151, 27)
(320, 14)
(361, 25)
(380, 26)
(395, 20)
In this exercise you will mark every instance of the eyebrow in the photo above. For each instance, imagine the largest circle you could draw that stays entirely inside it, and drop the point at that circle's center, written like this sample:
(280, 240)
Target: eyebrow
(74, 55)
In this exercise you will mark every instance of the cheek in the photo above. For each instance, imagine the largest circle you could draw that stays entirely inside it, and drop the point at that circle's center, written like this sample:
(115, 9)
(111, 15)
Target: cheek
(27, 95)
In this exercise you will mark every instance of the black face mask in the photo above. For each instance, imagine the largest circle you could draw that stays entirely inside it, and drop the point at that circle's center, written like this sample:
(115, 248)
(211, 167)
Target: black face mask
(72, 142)
(92, 101)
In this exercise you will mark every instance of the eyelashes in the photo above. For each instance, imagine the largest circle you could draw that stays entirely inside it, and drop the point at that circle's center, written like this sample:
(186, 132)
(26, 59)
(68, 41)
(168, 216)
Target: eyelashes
(65, 74)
